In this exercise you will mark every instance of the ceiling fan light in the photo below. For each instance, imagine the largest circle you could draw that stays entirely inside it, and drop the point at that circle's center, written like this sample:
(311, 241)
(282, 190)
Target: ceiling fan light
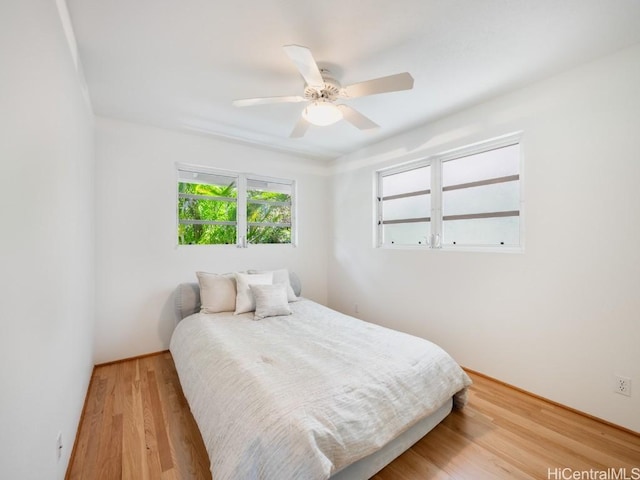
(322, 113)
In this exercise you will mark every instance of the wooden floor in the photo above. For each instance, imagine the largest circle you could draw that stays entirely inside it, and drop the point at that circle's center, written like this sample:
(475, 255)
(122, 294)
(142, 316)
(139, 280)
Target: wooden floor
(137, 425)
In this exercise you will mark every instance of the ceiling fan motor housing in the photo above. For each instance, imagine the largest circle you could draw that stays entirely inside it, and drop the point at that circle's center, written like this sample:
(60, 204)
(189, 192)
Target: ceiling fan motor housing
(330, 91)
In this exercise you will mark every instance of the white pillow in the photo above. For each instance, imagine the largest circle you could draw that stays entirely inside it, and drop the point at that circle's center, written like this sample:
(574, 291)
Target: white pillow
(217, 292)
(244, 298)
(281, 276)
(271, 300)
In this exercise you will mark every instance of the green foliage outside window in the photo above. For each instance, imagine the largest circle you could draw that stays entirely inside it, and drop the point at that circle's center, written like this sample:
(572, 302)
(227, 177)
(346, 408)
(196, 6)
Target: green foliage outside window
(277, 210)
(205, 209)
(268, 215)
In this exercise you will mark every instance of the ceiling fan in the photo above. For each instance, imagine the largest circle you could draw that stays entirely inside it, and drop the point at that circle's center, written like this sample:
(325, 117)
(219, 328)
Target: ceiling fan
(322, 91)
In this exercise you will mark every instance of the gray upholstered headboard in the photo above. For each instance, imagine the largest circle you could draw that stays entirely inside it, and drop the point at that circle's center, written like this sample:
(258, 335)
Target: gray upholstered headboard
(187, 299)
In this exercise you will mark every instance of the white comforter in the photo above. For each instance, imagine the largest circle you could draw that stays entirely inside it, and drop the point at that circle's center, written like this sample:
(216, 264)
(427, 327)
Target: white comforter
(302, 396)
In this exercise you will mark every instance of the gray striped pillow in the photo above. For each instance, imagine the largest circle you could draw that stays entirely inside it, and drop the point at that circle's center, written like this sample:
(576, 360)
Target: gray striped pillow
(271, 300)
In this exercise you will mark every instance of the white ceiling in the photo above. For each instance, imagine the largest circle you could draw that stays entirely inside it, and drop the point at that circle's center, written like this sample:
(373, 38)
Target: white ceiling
(180, 63)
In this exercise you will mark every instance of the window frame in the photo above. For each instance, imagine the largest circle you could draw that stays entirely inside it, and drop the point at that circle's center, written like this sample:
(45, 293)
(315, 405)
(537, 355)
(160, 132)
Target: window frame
(406, 167)
(241, 223)
(436, 162)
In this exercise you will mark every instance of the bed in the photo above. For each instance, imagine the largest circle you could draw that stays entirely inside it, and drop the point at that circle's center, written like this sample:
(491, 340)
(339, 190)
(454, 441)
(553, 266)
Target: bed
(314, 394)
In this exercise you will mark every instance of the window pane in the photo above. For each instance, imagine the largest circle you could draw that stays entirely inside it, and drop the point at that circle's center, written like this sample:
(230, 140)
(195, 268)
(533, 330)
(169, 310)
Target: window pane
(269, 196)
(263, 213)
(408, 207)
(193, 204)
(208, 189)
(256, 187)
(206, 234)
(261, 234)
(198, 209)
(483, 231)
(406, 233)
(498, 197)
(409, 181)
(200, 178)
(268, 203)
(500, 162)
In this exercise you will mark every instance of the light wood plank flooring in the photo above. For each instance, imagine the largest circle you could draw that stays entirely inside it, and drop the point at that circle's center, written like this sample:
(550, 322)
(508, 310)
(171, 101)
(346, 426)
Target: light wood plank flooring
(137, 425)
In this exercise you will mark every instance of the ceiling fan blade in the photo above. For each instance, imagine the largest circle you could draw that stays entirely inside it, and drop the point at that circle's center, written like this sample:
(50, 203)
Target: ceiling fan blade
(247, 102)
(392, 83)
(357, 119)
(300, 129)
(305, 63)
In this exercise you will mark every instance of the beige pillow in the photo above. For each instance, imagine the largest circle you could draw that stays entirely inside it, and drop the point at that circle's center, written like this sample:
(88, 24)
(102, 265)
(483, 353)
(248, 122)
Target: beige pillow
(217, 292)
(271, 300)
(244, 298)
(281, 276)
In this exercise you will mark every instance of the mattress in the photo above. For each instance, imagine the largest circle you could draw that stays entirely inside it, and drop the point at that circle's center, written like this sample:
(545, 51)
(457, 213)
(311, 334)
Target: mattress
(305, 395)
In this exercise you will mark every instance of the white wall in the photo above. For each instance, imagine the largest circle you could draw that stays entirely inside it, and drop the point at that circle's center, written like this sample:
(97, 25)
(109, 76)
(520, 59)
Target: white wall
(137, 261)
(46, 245)
(560, 319)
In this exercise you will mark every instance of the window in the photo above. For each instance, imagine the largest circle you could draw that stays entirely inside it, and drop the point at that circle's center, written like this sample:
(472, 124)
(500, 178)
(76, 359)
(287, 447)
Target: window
(406, 206)
(207, 208)
(218, 207)
(269, 211)
(466, 198)
(481, 198)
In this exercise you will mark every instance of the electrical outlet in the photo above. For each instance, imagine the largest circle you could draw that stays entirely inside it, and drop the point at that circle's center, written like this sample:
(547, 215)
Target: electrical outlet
(623, 385)
(59, 445)
(356, 308)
